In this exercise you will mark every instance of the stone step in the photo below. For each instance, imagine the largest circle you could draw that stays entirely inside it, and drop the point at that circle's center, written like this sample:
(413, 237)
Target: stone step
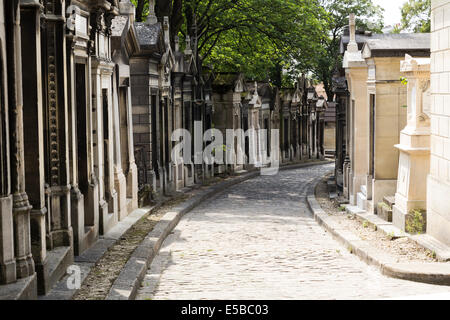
(384, 211)
(376, 222)
(353, 210)
(428, 242)
(392, 231)
(58, 260)
(389, 200)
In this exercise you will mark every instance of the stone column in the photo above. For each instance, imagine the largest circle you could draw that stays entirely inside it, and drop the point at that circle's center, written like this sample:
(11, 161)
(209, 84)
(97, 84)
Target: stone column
(34, 135)
(103, 146)
(414, 144)
(132, 176)
(178, 105)
(82, 177)
(120, 182)
(7, 259)
(21, 205)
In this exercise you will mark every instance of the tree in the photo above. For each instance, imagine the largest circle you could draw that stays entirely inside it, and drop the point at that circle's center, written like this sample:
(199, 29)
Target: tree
(416, 16)
(328, 59)
(266, 39)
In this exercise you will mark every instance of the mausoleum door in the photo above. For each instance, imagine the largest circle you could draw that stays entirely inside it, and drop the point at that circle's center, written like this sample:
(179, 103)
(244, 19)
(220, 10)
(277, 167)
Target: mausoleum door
(81, 128)
(123, 119)
(372, 136)
(154, 137)
(106, 159)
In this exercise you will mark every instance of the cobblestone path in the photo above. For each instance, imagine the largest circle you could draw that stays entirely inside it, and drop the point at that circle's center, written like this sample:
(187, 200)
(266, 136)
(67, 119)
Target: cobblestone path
(258, 240)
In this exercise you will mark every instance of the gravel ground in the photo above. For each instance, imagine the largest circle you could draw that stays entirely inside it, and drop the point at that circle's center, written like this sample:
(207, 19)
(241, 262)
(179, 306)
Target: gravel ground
(403, 249)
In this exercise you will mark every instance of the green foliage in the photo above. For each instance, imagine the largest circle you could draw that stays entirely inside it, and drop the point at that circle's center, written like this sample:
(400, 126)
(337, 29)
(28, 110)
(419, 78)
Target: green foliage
(271, 40)
(416, 16)
(327, 59)
(415, 222)
(404, 81)
(265, 39)
(383, 205)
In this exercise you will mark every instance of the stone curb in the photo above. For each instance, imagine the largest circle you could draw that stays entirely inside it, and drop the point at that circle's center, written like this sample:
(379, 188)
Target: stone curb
(432, 273)
(126, 285)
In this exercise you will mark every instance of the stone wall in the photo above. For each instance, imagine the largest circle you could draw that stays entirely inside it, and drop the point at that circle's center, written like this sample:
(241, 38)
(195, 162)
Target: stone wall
(438, 209)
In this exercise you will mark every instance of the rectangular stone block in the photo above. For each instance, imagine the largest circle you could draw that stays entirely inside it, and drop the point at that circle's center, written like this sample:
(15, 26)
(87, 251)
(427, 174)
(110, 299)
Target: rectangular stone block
(438, 209)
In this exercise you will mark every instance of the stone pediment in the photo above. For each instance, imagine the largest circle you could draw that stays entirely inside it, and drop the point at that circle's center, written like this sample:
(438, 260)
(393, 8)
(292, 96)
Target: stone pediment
(366, 52)
(150, 37)
(353, 60)
(239, 84)
(256, 101)
(411, 64)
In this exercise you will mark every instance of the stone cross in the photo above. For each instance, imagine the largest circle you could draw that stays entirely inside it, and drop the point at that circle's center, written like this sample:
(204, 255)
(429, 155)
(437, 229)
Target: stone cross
(177, 44)
(151, 19)
(417, 71)
(188, 49)
(128, 9)
(352, 45)
(166, 31)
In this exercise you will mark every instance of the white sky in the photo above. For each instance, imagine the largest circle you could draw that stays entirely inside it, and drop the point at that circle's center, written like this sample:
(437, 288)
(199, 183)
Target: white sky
(392, 13)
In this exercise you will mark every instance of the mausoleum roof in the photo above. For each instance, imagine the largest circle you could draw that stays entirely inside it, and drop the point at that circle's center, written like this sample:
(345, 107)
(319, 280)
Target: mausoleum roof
(148, 35)
(397, 45)
(361, 37)
(118, 25)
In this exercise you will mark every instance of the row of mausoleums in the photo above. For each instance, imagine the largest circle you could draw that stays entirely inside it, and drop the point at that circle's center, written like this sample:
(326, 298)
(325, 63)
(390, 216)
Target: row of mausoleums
(89, 100)
(393, 125)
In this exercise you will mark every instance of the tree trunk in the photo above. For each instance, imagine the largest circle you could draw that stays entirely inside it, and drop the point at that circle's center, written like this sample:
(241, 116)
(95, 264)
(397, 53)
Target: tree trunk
(176, 19)
(163, 8)
(278, 75)
(140, 9)
(327, 86)
(189, 14)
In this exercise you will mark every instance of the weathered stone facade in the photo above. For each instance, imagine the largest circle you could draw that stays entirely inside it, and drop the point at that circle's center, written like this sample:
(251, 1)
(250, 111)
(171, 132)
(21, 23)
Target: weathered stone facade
(375, 112)
(414, 146)
(403, 127)
(89, 118)
(69, 173)
(438, 184)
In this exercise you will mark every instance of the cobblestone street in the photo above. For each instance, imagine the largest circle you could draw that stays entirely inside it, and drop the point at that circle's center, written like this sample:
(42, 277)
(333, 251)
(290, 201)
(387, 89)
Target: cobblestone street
(258, 240)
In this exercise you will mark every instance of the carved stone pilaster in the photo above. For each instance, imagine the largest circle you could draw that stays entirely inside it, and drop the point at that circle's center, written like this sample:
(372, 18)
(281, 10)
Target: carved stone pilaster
(21, 205)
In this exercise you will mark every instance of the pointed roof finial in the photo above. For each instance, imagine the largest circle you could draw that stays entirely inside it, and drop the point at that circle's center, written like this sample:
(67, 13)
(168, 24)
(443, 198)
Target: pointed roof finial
(188, 49)
(151, 19)
(128, 9)
(352, 45)
(177, 43)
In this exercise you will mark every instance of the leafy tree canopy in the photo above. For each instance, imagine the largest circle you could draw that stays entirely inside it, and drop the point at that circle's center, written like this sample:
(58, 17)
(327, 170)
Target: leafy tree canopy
(416, 16)
(261, 38)
(270, 40)
(328, 59)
